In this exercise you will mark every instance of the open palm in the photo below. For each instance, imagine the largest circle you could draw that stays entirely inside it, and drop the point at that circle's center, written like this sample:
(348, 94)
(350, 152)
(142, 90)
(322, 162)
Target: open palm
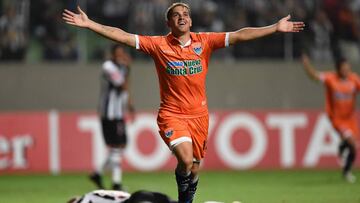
(284, 25)
(72, 18)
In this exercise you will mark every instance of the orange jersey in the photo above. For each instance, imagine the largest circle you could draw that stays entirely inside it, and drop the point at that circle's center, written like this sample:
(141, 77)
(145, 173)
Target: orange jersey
(182, 70)
(340, 94)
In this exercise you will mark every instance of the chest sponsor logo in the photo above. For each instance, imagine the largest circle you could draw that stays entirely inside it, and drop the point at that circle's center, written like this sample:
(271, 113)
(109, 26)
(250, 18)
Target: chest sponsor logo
(347, 93)
(189, 67)
(343, 95)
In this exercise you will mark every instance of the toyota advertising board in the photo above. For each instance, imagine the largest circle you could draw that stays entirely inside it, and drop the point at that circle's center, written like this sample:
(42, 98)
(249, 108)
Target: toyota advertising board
(238, 140)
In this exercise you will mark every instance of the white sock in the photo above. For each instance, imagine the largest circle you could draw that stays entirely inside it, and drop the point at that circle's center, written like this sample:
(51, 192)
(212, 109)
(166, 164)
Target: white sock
(115, 165)
(104, 166)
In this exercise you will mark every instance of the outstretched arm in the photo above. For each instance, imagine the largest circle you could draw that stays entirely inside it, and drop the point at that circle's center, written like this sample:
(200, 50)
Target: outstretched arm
(309, 69)
(249, 33)
(82, 20)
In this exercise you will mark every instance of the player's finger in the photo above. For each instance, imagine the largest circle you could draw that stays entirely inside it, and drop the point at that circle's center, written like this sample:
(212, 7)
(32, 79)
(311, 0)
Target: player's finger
(68, 19)
(299, 24)
(287, 17)
(70, 23)
(69, 12)
(297, 30)
(67, 15)
(80, 11)
(298, 27)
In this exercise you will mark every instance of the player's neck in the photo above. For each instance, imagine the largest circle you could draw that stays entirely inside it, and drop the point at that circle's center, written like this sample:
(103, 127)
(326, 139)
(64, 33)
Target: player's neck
(182, 37)
(342, 76)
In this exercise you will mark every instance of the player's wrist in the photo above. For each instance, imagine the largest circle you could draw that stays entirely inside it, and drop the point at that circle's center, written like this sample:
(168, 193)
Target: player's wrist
(91, 24)
(276, 27)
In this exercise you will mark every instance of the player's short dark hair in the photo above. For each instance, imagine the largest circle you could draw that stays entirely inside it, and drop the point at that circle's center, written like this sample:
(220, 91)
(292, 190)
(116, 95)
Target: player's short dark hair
(114, 47)
(171, 8)
(339, 62)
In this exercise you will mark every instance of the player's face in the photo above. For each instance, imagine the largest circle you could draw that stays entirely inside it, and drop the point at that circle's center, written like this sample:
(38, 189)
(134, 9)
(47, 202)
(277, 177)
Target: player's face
(344, 69)
(119, 55)
(180, 21)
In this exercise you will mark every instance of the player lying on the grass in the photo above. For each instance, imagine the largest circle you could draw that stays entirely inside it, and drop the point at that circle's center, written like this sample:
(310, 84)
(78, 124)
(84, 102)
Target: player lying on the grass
(342, 86)
(115, 196)
(181, 60)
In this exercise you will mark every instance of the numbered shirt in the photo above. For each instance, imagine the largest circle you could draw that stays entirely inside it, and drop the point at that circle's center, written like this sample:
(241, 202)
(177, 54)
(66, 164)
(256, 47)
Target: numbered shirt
(182, 70)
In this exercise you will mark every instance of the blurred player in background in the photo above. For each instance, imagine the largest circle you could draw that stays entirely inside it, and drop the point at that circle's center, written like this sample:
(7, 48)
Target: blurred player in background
(115, 101)
(342, 87)
(181, 59)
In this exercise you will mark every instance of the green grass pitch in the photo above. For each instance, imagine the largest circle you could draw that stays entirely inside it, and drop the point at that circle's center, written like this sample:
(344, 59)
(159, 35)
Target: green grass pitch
(276, 186)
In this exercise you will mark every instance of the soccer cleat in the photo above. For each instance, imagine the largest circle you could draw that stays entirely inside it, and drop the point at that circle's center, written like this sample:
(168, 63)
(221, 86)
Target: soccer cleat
(97, 180)
(349, 177)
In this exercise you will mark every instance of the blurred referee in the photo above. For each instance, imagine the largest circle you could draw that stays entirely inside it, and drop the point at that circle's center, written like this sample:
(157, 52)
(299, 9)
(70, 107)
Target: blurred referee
(115, 102)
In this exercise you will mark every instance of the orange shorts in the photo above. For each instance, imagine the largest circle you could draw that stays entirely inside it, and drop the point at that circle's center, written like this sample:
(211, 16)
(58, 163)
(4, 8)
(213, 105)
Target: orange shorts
(176, 130)
(346, 126)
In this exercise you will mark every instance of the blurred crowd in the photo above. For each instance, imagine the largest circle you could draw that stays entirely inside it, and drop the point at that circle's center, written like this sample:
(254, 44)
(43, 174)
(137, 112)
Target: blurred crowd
(333, 26)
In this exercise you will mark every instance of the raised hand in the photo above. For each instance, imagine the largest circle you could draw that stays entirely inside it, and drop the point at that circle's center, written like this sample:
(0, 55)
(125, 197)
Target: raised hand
(284, 25)
(72, 18)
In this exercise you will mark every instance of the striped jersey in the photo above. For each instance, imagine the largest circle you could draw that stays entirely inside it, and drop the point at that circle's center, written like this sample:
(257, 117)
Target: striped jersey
(113, 97)
(104, 196)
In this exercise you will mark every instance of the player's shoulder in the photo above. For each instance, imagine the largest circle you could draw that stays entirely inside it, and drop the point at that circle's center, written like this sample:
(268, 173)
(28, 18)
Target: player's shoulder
(354, 76)
(329, 74)
(200, 35)
(153, 38)
(156, 40)
(207, 34)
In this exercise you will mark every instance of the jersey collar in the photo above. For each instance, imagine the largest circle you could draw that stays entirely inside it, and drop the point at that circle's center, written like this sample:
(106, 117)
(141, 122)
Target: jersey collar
(170, 37)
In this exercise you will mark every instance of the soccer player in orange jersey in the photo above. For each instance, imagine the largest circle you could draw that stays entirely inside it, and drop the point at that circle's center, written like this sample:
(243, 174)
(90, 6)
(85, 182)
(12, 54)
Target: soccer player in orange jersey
(341, 86)
(181, 59)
